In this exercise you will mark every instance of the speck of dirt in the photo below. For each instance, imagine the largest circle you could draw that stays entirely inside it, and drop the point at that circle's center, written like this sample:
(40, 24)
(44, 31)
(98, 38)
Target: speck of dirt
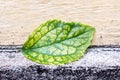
(101, 37)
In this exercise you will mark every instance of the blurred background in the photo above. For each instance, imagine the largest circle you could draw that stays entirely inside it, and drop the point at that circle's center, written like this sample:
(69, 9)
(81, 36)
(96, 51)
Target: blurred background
(18, 18)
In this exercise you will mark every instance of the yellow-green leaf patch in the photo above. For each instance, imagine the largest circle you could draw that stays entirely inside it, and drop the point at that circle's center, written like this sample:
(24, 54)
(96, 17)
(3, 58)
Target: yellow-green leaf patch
(56, 42)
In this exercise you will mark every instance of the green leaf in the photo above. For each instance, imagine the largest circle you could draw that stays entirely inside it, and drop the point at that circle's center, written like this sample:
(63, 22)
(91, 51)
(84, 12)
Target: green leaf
(56, 42)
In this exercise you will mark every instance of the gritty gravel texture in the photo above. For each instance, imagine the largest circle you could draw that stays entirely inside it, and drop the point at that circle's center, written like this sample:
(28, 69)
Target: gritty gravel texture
(37, 72)
(99, 63)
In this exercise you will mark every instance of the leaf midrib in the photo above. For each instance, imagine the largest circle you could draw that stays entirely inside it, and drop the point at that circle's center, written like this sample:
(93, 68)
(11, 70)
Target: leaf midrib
(62, 40)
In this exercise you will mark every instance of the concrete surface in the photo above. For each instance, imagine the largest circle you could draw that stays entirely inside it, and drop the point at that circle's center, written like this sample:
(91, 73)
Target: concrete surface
(99, 63)
(18, 18)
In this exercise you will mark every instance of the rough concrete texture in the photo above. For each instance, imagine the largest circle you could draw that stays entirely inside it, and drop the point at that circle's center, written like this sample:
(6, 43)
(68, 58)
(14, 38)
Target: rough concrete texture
(18, 18)
(99, 63)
